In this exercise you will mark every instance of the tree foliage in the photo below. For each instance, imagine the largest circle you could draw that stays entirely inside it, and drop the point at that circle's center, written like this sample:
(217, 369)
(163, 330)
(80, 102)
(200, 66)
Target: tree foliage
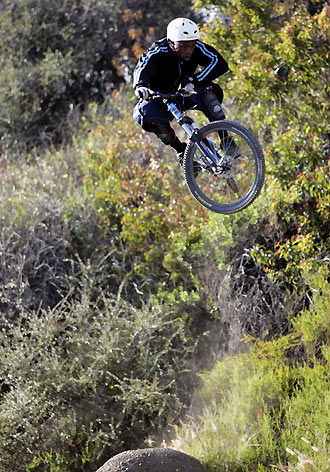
(58, 55)
(279, 57)
(94, 359)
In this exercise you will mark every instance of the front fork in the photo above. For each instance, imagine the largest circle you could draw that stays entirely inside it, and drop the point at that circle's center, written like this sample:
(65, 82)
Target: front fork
(192, 131)
(213, 161)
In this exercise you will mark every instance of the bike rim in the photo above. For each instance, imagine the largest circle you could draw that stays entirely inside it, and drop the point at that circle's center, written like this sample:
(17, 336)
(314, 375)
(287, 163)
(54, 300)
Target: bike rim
(235, 179)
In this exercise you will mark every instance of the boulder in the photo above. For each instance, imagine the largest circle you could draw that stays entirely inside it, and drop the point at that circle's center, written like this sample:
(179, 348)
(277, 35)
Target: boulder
(152, 460)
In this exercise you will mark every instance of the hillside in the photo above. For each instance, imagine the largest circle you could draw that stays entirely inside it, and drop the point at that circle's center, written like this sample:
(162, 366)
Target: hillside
(121, 297)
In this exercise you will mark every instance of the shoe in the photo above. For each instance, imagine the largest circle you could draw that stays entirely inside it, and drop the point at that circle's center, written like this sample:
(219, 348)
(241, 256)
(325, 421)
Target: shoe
(196, 166)
(230, 148)
(180, 157)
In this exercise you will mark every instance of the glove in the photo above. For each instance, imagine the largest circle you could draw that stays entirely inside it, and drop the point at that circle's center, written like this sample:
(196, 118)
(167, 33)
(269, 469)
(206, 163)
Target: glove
(187, 86)
(143, 92)
(189, 89)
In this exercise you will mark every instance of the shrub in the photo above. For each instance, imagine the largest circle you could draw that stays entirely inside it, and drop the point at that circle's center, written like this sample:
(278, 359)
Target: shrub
(86, 377)
(89, 363)
(266, 408)
(56, 56)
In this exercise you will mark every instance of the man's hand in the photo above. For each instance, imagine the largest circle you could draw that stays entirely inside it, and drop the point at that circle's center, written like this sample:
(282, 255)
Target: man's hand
(188, 90)
(187, 86)
(143, 92)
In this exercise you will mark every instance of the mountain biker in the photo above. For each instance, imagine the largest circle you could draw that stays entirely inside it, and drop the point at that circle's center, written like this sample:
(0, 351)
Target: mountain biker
(169, 64)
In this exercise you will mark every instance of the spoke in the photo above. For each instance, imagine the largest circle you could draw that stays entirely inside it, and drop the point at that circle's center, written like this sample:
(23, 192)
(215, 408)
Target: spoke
(229, 192)
(236, 175)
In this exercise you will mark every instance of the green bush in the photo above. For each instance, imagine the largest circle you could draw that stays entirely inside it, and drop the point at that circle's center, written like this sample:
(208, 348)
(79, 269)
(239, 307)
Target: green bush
(90, 362)
(56, 57)
(268, 407)
(278, 55)
(256, 409)
(86, 377)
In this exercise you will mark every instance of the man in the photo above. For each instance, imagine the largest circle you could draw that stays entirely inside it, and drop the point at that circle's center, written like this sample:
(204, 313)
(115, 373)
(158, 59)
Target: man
(172, 63)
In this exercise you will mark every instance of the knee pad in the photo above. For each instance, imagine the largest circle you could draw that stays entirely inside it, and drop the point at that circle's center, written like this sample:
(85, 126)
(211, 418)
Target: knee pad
(213, 109)
(163, 131)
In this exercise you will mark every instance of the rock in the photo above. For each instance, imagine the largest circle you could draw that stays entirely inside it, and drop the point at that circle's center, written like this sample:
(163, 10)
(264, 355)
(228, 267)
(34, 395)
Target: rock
(152, 460)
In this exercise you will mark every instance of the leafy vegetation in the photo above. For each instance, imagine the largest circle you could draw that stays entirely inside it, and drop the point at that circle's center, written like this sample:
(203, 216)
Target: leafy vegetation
(58, 56)
(276, 416)
(84, 377)
(267, 408)
(116, 288)
(72, 282)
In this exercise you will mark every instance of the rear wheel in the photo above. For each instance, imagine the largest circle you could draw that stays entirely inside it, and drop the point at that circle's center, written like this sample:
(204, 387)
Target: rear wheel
(233, 178)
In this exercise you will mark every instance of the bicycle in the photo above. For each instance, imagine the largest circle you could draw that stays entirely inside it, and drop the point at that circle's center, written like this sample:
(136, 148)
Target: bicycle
(223, 163)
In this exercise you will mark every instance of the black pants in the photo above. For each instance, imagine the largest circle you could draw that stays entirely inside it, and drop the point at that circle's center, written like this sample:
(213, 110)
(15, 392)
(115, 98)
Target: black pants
(210, 99)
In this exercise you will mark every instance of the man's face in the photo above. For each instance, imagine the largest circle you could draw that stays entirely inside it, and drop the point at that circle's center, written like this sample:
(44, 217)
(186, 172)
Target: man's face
(184, 49)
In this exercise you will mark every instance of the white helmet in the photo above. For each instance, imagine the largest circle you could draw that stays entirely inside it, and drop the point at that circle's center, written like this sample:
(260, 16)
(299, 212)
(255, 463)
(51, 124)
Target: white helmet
(182, 29)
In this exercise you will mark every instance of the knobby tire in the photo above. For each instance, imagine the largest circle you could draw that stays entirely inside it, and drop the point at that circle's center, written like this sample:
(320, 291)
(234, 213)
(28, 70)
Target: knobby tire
(238, 188)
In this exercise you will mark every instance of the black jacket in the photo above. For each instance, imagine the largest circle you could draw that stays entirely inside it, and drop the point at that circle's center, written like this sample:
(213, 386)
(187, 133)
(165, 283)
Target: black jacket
(159, 68)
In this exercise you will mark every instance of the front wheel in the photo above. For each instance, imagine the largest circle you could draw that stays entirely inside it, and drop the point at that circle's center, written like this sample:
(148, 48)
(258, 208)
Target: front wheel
(224, 167)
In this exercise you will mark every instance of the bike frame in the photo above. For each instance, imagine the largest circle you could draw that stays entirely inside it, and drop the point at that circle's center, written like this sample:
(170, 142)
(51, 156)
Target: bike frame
(192, 130)
(241, 174)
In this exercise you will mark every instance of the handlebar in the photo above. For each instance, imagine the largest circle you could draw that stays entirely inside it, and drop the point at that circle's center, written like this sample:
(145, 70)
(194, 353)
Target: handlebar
(169, 96)
(164, 96)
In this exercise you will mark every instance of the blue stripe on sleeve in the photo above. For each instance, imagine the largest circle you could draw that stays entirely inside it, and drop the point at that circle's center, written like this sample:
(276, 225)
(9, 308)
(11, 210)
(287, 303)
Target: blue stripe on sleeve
(146, 59)
(209, 54)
